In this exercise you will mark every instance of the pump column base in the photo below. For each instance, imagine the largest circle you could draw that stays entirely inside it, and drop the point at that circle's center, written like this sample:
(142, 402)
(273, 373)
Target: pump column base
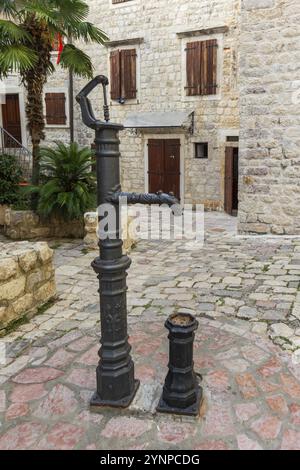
(193, 410)
(97, 402)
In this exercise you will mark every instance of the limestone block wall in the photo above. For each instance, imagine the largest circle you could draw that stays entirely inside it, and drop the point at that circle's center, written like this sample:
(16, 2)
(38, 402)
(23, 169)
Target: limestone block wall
(27, 225)
(161, 81)
(270, 117)
(91, 226)
(26, 280)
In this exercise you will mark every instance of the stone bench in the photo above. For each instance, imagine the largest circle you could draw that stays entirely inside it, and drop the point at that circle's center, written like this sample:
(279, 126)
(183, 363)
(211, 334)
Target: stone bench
(27, 280)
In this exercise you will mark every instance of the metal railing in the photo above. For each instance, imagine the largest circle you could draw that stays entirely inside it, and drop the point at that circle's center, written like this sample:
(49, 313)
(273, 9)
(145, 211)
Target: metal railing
(10, 146)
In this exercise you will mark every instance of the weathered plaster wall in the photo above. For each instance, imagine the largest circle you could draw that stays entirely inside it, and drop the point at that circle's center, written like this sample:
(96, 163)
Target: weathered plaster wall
(270, 117)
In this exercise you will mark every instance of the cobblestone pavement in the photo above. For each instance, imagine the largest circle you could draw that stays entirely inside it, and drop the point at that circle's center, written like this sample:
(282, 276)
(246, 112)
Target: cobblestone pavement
(245, 293)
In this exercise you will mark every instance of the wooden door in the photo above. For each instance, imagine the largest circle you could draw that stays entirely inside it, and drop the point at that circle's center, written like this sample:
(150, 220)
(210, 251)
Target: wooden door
(164, 166)
(156, 165)
(172, 167)
(11, 119)
(231, 181)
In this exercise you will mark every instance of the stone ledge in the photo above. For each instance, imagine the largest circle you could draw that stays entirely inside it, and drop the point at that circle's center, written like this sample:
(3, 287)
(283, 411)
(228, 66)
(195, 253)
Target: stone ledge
(204, 31)
(27, 225)
(124, 42)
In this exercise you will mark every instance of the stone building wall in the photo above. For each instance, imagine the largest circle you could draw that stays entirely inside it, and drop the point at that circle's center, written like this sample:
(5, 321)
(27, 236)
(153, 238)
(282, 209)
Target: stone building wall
(160, 86)
(270, 117)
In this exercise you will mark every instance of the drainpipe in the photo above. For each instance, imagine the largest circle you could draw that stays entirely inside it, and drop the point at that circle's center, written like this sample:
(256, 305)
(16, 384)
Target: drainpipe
(71, 100)
(71, 105)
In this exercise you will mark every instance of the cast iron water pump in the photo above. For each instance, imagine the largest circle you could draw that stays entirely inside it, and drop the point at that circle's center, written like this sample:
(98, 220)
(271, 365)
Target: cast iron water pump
(116, 384)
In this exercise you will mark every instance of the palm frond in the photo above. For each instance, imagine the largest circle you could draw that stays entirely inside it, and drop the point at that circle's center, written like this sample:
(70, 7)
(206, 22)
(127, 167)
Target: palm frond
(72, 11)
(43, 11)
(88, 32)
(11, 33)
(16, 58)
(8, 8)
(77, 61)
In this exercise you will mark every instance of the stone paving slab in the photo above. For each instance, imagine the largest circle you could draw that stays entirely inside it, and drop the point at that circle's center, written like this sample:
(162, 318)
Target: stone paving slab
(245, 293)
(251, 395)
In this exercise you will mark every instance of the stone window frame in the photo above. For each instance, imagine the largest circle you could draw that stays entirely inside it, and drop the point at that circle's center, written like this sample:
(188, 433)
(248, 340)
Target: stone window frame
(220, 65)
(64, 90)
(121, 47)
(122, 4)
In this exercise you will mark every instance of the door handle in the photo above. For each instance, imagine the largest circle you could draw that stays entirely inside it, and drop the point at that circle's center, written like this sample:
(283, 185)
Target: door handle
(172, 156)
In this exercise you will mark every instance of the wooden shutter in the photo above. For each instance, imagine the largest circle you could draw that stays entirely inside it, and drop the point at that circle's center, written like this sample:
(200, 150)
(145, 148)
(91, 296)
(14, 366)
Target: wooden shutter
(209, 67)
(115, 75)
(193, 63)
(201, 68)
(128, 74)
(56, 108)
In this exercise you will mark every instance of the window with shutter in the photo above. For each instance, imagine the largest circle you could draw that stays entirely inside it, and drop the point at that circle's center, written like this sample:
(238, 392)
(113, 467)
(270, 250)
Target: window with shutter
(128, 73)
(123, 74)
(115, 77)
(56, 109)
(201, 67)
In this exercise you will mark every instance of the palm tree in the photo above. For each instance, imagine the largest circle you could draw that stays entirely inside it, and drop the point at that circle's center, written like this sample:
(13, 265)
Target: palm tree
(28, 30)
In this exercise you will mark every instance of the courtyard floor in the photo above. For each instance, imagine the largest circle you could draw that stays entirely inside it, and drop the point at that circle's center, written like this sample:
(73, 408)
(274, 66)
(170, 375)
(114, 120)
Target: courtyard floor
(245, 294)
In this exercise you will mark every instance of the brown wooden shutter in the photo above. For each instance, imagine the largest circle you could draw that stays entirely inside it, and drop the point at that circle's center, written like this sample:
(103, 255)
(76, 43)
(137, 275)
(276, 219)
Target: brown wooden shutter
(209, 67)
(193, 71)
(115, 75)
(128, 74)
(56, 108)
(201, 67)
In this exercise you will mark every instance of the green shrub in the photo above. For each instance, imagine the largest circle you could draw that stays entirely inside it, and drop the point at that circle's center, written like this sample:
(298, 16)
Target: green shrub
(10, 177)
(69, 186)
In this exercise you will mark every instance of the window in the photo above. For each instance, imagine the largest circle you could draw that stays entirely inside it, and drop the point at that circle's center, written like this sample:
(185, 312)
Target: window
(201, 150)
(232, 138)
(123, 75)
(201, 68)
(56, 109)
(120, 1)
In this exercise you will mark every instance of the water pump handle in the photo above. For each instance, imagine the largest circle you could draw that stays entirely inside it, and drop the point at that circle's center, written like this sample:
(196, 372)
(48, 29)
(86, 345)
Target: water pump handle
(88, 115)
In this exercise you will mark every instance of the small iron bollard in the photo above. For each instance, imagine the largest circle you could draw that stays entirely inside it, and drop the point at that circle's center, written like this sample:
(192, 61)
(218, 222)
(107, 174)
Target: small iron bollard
(116, 383)
(182, 393)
